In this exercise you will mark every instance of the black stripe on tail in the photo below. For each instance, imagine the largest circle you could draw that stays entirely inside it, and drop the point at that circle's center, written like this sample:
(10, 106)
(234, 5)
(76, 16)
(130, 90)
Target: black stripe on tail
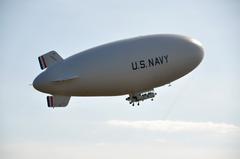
(40, 63)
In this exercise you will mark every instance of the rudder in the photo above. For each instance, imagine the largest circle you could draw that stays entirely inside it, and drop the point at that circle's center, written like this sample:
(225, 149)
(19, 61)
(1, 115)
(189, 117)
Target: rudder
(49, 59)
(57, 101)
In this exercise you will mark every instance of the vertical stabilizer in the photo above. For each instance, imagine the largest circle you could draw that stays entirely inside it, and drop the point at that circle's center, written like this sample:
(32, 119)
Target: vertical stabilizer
(57, 101)
(49, 59)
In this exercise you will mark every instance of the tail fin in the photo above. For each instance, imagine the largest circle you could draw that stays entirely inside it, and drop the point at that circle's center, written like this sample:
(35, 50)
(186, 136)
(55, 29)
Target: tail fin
(49, 59)
(57, 101)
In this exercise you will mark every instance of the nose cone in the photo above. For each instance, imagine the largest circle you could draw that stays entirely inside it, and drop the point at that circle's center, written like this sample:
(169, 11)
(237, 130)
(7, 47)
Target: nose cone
(198, 50)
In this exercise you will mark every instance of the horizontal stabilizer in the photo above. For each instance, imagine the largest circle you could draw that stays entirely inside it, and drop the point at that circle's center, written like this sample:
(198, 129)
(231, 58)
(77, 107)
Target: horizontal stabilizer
(65, 78)
(49, 59)
(57, 101)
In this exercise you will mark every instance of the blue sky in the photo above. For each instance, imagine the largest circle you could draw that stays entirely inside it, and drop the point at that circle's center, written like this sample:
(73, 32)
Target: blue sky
(197, 117)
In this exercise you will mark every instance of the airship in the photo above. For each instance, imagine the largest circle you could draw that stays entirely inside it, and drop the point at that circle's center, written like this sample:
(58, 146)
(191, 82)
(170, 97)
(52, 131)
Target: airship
(132, 67)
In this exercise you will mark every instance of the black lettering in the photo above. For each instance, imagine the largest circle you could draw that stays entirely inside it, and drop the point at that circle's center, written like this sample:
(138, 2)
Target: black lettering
(134, 65)
(142, 63)
(157, 61)
(166, 58)
(161, 59)
(150, 62)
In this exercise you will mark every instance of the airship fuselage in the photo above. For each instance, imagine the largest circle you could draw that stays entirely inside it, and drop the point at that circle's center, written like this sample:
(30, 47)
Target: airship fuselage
(123, 67)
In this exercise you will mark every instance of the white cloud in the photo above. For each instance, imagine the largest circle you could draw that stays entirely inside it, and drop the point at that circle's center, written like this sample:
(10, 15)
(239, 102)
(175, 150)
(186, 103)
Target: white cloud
(177, 126)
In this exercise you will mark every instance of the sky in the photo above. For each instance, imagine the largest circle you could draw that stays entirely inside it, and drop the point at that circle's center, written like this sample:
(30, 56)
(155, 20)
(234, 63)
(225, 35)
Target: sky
(197, 117)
